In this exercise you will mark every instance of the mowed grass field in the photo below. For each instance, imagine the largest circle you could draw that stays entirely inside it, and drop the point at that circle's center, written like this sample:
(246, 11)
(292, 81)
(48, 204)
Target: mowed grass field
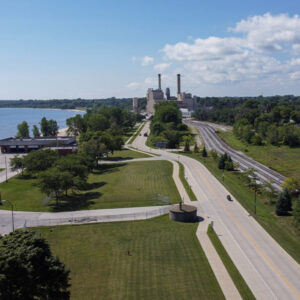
(166, 260)
(283, 159)
(280, 228)
(126, 154)
(133, 184)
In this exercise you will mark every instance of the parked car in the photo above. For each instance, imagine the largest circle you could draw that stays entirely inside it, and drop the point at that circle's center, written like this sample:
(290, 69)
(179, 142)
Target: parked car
(145, 134)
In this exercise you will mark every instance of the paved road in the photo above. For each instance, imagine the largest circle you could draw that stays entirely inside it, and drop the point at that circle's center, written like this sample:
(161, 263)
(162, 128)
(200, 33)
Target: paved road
(269, 271)
(4, 161)
(212, 141)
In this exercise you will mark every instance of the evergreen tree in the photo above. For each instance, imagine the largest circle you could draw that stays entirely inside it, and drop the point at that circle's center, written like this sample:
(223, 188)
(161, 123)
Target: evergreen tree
(196, 148)
(221, 163)
(204, 153)
(284, 203)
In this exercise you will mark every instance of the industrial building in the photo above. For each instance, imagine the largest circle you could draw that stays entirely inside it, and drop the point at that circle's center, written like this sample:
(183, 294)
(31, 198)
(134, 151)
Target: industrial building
(63, 144)
(135, 105)
(184, 100)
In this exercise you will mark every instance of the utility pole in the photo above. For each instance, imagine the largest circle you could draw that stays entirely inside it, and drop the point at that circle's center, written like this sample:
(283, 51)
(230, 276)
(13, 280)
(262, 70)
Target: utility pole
(5, 169)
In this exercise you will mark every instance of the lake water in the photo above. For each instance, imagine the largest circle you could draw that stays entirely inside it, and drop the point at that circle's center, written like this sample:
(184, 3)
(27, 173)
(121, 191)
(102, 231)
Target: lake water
(11, 117)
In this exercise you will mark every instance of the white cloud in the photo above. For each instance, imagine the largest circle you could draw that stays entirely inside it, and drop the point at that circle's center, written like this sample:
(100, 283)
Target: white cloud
(295, 75)
(249, 55)
(134, 58)
(162, 67)
(270, 33)
(133, 85)
(147, 60)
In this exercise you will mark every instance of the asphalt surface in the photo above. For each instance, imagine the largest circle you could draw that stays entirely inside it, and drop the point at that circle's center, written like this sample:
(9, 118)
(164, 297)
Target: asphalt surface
(268, 270)
(213, 142)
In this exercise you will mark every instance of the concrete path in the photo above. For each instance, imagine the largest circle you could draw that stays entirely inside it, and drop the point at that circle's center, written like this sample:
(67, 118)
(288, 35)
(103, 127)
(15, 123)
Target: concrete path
(7, 173)
(36, 219)
(270, 272)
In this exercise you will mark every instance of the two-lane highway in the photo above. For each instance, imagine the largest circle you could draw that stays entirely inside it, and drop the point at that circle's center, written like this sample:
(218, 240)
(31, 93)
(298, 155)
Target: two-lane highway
(269, 271)
(213, 142)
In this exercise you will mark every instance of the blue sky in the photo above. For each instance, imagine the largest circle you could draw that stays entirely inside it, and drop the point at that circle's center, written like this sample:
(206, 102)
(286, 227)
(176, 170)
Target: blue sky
(98, 49)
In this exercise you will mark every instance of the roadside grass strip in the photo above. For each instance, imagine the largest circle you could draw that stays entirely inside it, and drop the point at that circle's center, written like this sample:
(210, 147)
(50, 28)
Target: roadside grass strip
(185, 183)
(234, 273)
(280, 228)
(165, 260)
(136, 134)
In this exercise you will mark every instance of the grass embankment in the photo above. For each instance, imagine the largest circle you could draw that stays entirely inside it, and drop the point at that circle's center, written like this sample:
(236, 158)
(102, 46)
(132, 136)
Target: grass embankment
(185, 183)
(132, 184)
(280, 228)
(1, 169)
(283, 159)
(137, 133)
(234, 273)
(126, 154)
(166, 260)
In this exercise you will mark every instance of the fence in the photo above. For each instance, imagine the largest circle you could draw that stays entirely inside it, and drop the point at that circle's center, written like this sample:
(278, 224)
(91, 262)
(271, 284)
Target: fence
(77, 220)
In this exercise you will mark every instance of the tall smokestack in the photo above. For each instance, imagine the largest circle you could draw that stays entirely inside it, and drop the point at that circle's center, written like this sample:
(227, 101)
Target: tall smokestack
(178, 83)
(159, 81)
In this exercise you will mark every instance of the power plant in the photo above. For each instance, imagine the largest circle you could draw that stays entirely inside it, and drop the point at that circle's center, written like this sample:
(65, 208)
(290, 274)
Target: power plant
(185, 101)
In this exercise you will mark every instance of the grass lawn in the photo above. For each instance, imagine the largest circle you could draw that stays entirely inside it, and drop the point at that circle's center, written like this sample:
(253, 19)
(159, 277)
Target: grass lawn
(166, 261)
(1, 169)
(283, 159)
(234, 273)
(185, 183)
(280, 228)
(126, 154)
(132, 184)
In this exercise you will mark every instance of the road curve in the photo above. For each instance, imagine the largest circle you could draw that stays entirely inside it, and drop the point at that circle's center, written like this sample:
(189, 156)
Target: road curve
(269, 271)
(213, 142)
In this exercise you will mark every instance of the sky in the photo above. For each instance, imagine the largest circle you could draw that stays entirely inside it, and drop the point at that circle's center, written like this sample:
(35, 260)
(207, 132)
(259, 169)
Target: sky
(101, 49)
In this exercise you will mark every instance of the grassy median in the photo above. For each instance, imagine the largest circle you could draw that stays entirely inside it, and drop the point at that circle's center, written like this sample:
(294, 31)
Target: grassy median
(166, 260)
(234, 273)
(185, 183)
(145, 183)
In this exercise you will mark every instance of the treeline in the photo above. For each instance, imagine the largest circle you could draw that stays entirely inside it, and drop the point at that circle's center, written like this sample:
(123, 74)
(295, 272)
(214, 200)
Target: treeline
(125, 103)
(274, 120)
(167, 125)
(47, 128)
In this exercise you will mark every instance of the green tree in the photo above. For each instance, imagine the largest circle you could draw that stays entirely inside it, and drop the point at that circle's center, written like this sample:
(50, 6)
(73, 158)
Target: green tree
(76, 125)
(23, 130)
(284, 203)
(187, 140)
(40, 160)
(17, 163)
(28, 270)
(36, 131)
(222, 160)
(196, 148)
(48, 127)
(292, 184)
(204, 152)
(214, 154)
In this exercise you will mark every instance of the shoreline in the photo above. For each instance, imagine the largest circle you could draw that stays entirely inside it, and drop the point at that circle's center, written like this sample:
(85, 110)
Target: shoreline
(48, 108)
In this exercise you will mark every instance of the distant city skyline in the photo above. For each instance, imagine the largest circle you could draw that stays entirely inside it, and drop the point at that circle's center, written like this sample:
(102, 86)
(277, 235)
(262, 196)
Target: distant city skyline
(100, 49)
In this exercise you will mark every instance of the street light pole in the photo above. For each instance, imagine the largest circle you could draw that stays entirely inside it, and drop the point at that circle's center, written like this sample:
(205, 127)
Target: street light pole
(5, 169)
(12, 213)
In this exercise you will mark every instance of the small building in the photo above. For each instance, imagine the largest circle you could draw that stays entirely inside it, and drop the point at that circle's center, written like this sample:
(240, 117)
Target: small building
(63, 144)
(185, 113)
